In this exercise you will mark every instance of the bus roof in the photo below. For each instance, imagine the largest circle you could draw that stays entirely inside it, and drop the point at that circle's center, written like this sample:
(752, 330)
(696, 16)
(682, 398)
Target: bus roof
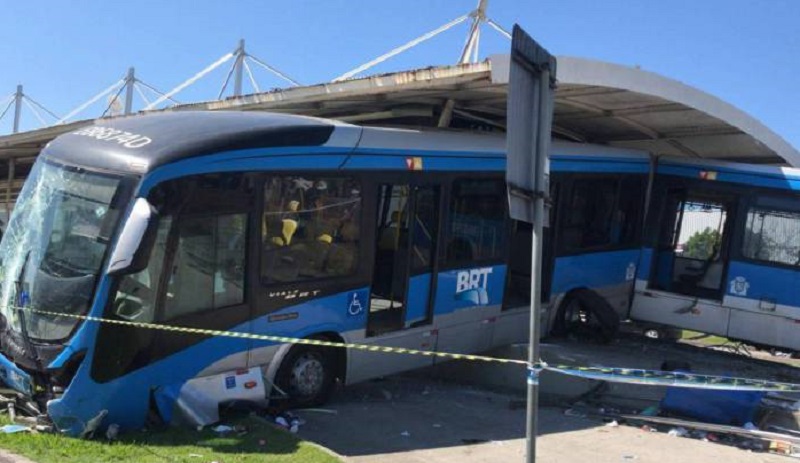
(141, 143)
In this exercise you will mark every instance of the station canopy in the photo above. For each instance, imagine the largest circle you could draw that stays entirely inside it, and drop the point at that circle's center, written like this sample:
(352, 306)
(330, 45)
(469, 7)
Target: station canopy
(596, 102)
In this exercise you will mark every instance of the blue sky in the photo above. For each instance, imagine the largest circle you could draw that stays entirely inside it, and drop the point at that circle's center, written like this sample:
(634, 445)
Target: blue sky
(746, 52)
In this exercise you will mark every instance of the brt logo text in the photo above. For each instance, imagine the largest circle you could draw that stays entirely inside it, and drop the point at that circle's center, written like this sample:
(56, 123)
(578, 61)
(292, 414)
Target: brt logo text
(471, 285)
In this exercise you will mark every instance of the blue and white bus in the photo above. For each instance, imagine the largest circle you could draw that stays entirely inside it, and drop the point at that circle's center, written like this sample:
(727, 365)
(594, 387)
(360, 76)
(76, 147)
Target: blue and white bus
(307, 228)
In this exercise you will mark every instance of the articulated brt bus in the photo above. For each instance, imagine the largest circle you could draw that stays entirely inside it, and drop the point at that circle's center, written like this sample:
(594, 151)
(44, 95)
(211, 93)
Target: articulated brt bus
(306, 228)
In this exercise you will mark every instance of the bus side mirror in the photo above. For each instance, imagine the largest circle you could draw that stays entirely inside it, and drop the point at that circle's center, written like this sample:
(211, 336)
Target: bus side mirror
(132, 250)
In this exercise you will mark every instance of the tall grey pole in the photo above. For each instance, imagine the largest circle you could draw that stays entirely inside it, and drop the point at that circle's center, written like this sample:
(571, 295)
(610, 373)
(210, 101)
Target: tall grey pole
(17, 108)
(130, 81)
(531, 89)
(237, 78)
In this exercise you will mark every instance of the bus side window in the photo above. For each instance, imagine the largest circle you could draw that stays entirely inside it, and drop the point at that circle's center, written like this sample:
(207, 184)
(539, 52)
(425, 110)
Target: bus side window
(209, 263)
(136, 296)
(310, 228)
(477, 226)
(772, 235)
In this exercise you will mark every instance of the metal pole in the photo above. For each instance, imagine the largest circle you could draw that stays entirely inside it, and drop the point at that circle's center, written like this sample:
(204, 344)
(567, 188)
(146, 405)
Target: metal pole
(17, 108)
(130, 80)
(8, 188)
(237, 79)
(478, 16)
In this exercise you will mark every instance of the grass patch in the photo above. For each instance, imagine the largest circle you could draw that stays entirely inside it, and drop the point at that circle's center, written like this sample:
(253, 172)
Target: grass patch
(262, 443)
(703, 338)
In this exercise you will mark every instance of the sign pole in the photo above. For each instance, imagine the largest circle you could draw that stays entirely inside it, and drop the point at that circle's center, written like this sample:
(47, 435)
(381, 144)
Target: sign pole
(531, 91)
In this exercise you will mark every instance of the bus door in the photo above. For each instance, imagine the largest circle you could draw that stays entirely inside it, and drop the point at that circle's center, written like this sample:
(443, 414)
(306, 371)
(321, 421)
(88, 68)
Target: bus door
(403, 281)
(690, 261)
(406, 232)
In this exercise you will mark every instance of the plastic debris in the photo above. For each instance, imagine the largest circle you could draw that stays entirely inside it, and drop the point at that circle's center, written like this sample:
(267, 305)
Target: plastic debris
(750, 426)
(112, 432)
(222, 429)
(405, 434)
(678, 432)
(612, 424)
(14, 428)
(647, 428)
(288, 421)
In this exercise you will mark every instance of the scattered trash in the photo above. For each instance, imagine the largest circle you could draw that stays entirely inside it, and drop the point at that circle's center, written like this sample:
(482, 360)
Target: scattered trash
(14, 428)
(781, 447)
(112, 432)
(405, 434)
(647, 428)
(628, 457)
(678, 432)
(574, 413)
(222, 429)
(288, 421)
(613, 424)
(750, 426)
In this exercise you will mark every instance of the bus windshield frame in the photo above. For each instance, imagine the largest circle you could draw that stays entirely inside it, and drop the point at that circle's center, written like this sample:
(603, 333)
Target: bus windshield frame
(55, 246)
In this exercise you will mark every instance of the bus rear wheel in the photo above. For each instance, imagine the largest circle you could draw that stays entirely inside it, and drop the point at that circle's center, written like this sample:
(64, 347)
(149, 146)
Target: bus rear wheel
(585, 314)
(307, 376)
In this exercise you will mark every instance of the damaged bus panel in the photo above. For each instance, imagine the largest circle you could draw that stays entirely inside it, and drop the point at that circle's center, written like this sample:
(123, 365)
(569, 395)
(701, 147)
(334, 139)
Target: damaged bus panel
(297, 227)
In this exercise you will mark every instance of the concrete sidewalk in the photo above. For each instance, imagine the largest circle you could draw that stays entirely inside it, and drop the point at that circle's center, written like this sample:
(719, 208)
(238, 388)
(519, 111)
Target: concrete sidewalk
(411, 419)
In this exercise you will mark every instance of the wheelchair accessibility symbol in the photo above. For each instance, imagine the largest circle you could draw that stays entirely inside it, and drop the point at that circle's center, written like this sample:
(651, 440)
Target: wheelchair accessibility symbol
(354, 304)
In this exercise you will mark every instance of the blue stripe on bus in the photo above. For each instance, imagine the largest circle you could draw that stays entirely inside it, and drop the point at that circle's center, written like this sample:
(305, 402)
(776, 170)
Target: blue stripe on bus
(419, 290)
(645, 262)
(775, 284)
(761, 179)
(562, 163)
(440, 163)
(593, 270)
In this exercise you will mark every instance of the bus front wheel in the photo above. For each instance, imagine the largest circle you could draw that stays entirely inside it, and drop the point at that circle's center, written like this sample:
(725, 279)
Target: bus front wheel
(307, 376)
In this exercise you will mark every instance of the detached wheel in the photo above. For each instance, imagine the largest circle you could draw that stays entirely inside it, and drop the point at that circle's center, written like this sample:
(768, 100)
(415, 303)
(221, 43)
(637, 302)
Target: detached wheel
(585, 314)
(307, 375)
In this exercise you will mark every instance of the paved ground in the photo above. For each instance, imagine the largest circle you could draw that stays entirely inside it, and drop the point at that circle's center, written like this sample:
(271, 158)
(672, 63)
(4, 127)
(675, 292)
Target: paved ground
(412, 419)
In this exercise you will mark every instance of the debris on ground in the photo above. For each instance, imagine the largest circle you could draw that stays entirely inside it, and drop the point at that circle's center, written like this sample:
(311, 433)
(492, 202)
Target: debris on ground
(14, 428)
(678, 432)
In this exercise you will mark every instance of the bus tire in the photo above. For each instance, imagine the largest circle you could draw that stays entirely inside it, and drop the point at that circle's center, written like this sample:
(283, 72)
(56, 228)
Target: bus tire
(585, 313)
(307, 375)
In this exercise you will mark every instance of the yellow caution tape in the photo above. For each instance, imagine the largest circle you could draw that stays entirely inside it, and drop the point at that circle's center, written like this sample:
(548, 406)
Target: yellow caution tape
(610, 374)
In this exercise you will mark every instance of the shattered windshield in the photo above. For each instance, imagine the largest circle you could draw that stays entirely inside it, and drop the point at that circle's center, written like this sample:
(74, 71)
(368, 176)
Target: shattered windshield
(53, 249)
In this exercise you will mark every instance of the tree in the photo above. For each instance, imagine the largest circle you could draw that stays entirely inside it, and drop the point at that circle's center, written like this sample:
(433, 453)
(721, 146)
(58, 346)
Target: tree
(702, 245)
